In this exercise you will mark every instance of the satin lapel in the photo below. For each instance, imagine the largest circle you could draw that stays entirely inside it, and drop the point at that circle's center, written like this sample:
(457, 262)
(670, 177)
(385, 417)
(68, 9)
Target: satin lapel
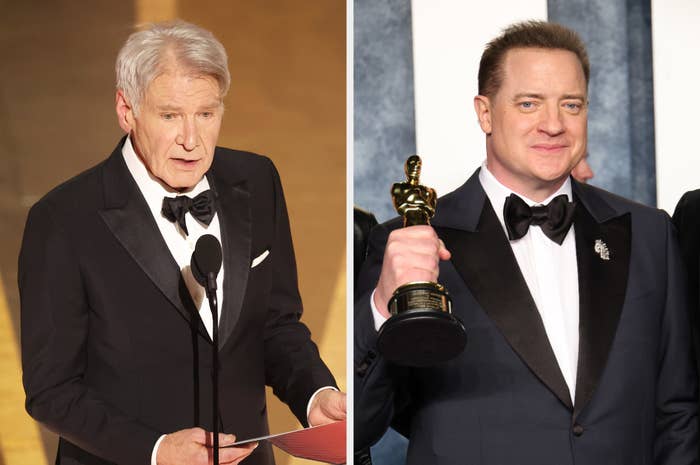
(233, 208)
(484, 258)
(602, 285)
(129, 219)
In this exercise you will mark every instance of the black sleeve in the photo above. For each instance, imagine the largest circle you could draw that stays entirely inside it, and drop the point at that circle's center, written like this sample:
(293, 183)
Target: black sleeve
(293, 366)
(676, 440)
(381, 389)
(686, 219)
(54, 330)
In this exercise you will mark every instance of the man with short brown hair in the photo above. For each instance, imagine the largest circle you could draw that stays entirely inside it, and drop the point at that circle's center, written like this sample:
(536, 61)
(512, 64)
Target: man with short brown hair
(578, 347)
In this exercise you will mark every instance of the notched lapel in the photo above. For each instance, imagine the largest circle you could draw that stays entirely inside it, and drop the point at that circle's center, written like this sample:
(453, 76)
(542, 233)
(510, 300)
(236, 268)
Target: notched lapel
(484, 257)
(602, 286)
(127, 216)
(233, 208)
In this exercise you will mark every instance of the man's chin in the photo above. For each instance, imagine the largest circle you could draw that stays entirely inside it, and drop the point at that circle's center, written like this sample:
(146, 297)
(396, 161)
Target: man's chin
(182, 183)
(553, 174)
(548, 182)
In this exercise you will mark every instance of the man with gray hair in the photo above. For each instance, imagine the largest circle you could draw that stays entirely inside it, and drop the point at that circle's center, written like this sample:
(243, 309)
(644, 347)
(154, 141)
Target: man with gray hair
(116, 332)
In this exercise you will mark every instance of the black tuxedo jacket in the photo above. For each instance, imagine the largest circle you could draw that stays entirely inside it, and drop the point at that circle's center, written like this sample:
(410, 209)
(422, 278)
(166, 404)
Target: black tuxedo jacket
(113, 351)
(686, 217)
(504, 399)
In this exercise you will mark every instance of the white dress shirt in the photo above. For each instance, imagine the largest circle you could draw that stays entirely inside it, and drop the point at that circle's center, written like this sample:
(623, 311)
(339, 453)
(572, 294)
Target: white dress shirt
(182, 245)
(551, 274)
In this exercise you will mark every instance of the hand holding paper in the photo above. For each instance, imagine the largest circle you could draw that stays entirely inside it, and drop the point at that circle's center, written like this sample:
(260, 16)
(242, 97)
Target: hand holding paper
(193, 447)
(324, 443)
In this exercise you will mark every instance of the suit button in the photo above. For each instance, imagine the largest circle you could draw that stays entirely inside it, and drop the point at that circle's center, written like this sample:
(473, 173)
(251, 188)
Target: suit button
(362, 369)
(577, 430)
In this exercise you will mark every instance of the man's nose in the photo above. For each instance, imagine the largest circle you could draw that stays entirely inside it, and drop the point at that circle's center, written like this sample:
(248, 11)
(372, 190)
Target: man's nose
(551, 122)
(189, 135)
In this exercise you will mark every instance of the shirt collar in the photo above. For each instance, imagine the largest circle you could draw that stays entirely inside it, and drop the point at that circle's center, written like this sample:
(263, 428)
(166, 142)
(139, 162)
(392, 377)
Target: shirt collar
(152, 188)
(497, 192)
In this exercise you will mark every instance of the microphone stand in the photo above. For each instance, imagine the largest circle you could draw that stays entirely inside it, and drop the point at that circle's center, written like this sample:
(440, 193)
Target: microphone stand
(211, 295)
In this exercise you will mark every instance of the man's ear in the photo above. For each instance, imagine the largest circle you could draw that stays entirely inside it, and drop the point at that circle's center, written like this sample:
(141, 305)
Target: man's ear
(125, 113)
(482, 106)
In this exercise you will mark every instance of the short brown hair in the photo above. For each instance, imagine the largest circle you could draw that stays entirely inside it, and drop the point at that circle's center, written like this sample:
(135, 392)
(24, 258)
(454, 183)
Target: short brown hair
(527, 34)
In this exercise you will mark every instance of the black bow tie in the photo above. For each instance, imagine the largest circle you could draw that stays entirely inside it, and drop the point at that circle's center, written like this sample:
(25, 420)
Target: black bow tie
(555, 218)
(201, 207)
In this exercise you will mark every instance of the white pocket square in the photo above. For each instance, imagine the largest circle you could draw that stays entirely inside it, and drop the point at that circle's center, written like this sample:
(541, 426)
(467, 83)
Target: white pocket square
(259, 259)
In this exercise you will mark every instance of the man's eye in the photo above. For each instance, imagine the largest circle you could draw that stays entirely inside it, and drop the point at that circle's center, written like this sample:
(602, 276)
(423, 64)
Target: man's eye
(167, 116)
(207, 114)
(573, 106)
(527, 105)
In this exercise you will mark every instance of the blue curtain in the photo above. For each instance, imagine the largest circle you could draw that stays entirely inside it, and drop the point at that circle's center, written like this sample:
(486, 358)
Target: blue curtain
(385, 133)
(621, 114)
(384, 118)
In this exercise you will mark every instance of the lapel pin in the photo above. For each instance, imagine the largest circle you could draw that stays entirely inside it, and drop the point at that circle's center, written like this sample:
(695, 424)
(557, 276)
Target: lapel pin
(601, 248)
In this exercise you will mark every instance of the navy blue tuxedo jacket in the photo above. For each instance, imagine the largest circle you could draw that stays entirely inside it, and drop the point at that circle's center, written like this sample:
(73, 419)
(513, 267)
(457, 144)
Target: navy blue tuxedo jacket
(113, 351)
(504, 399)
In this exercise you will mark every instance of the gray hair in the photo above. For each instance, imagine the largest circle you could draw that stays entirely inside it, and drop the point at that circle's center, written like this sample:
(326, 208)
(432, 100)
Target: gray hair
(144, 55)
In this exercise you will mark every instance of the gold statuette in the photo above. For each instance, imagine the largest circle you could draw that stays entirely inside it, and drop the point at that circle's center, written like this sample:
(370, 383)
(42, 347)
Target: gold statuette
(422, 331)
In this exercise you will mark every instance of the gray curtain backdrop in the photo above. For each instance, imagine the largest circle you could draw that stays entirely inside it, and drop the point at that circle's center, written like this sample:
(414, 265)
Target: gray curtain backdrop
(621, 114)
(385, 129)
(384, 117)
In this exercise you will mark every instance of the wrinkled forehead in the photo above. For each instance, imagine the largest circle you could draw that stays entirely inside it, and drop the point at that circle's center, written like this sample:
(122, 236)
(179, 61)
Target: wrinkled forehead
(171, 68)
(183, 86)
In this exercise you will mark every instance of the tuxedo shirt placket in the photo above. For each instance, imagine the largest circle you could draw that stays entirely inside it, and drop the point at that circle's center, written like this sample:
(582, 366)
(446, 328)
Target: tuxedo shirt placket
(551, 274)
(181, 245)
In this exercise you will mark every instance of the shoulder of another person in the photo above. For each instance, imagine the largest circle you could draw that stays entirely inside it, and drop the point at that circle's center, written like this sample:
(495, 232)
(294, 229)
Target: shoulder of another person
(690, 200)
(391, 225)
(379, 234)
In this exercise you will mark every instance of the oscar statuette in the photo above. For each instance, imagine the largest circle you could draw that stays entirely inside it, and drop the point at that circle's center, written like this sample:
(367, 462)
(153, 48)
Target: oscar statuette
(422, 331)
